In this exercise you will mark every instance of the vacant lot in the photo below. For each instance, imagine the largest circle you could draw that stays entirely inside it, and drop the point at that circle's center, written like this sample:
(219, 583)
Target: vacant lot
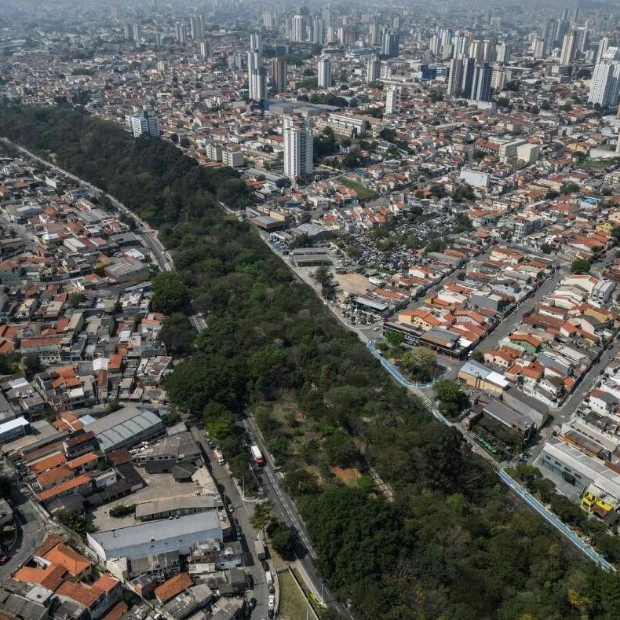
(353, 283)
(293, 604)
(363, 193)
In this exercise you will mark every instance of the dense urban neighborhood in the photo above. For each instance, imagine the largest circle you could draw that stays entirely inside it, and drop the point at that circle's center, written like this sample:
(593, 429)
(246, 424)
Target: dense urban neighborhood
(309, 311)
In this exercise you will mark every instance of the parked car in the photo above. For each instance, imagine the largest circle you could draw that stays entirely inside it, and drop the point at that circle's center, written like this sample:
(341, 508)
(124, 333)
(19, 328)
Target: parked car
(4, 559)
(265, 565)
(272, 602)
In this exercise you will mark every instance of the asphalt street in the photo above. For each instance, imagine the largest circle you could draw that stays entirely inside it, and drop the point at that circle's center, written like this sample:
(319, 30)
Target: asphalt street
(241, 512)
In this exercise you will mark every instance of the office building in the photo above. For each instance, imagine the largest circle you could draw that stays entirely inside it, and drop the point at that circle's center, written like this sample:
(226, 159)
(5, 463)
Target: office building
(488, 51)
(469, 64)
(392, 100)
(538, 48)
(569, 49)
(143, 124)
(549, 36)
(481, 84)
(605, 85)
(455, 77)
(325, 73)
(298, 148)
(373, 70)
(279, 70)
(389, 43)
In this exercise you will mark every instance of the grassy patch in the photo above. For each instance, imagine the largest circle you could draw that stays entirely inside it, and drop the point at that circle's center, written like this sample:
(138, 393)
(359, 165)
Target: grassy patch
(363, 193)
(293, 604)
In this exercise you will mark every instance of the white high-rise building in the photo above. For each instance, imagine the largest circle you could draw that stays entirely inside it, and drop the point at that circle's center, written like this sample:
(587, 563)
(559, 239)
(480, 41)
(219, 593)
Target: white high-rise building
(143, 124)
(502, 52)
(605, 85)
(373, 70)
(298, 148)
(325, 73)
(392, 100)
(318, 31)
(257, 82)
(298, 28)
(603, 46)
(569, 48)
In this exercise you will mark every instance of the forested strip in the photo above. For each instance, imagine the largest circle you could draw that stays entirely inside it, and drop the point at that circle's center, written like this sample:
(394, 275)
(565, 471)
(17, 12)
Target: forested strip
(453, 544)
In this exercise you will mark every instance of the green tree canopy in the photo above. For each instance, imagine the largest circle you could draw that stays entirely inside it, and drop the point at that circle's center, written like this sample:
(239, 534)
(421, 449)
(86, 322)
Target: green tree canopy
(170, 294)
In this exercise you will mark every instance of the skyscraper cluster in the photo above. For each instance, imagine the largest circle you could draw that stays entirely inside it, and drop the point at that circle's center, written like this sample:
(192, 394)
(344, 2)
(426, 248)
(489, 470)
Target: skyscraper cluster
(470, 79)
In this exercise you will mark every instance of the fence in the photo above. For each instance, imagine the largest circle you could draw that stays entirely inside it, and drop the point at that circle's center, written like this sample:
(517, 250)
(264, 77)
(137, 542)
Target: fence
(583, 546)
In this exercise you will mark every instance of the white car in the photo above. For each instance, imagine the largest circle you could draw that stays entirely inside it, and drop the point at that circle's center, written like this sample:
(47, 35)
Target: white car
(272, 602)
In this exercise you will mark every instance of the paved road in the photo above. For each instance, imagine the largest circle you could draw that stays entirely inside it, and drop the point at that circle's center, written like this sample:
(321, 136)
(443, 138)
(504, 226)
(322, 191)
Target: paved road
(510, 322)
(32, 530)
(287, 512)
(242, 513)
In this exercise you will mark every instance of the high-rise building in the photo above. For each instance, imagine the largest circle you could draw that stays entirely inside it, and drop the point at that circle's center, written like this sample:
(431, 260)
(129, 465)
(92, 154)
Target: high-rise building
(318, 31)
(269, 20)
(469, 64)
(373, 70)
(127, 32)
(605, 85)
(180, 31)
(279, 70)
(374, 34)
(389, 43)
(298, 148)
(143, 124)
(455, 77)
(481, 84)
(137, 32)
(298, 28)
(392, 100)
(257, 82)
(205, 50)
(538, 47)
(197, 28)
(569, 48)
(327, 17)
(502, 52)
(562, 30)
(603, 46)
(488, 51)
(549, 36)
(475, 50)
(498, 78)
(325, 73)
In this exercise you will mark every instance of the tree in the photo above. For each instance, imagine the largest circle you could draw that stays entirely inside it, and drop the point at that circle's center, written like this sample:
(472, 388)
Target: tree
(114, 405)
(234, 193)
(184, 142)
(435, 245)
(32, 363)
(394, 338)
(264, 516)
(438, 191)
(170, 294)
(421, 363)
(301, 482)
(284, 538)
(580, 265)
(452, 399)
(177, 334)
(75, 299)
(545, 248)
(74, 521)
(122, 510)
(341, 451)
(323, 275)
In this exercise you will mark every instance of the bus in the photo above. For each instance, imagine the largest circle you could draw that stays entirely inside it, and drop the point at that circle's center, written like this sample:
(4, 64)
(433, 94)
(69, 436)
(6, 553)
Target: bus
(257, 455)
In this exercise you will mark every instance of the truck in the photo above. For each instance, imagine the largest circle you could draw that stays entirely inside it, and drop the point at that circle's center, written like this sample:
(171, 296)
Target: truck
(257, 455)
(268, 577)
(219, 456)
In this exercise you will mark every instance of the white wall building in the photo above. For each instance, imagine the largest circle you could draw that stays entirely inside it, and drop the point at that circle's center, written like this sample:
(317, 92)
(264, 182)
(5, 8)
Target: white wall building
(298, 148)
(325, 73)
(605, 85)
(143, 124)
(392, 100)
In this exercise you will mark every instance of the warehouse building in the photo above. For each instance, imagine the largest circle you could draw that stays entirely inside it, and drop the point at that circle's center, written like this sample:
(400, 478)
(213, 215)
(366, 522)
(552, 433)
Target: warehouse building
(154, 537)
(125, 427)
